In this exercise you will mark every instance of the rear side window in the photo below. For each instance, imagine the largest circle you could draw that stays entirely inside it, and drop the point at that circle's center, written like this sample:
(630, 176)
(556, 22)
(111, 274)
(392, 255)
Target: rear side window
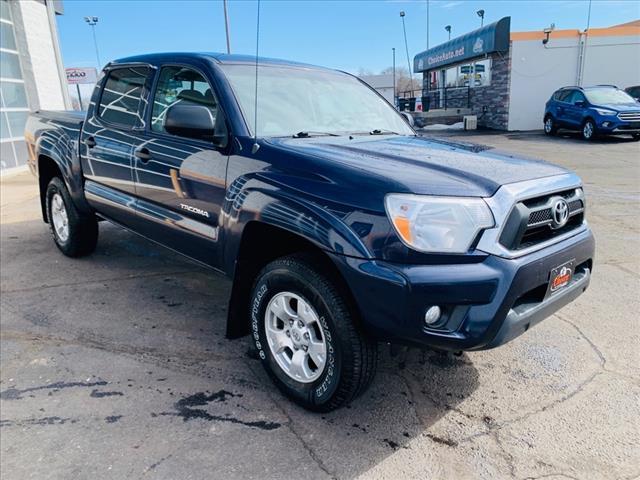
(120, 100)
(564, 95)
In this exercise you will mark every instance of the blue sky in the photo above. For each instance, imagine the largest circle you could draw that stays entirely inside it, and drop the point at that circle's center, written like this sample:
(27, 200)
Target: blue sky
(349, 35)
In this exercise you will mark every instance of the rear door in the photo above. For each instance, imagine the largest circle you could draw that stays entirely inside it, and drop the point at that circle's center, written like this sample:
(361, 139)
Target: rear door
(112, 131)
(180, 182)
(574, 112)
(562, 118)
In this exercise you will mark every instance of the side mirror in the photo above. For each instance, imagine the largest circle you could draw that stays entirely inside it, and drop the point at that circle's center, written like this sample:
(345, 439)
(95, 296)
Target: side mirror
(580, 103)
(193, 121)
(408, 118)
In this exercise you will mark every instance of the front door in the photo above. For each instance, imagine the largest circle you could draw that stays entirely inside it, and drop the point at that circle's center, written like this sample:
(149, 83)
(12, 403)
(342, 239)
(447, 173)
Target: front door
(180, 182)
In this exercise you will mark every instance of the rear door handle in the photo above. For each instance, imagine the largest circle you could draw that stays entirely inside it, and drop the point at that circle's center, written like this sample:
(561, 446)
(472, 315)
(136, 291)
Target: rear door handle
(90, 142)
(143, 154)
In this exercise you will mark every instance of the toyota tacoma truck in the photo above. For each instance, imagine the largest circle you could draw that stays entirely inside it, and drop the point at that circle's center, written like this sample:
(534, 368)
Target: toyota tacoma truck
(339, 226)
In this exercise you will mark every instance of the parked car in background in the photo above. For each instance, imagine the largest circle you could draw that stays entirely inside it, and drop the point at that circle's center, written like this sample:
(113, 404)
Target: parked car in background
(634, 92)
(593, 111)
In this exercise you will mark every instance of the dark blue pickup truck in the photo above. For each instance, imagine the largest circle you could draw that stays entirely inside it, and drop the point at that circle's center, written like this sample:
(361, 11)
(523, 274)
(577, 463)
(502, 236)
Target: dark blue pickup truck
(339, 226)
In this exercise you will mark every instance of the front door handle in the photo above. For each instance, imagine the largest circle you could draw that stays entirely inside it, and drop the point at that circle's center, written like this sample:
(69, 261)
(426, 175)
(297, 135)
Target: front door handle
(143, 154)
(90, 142)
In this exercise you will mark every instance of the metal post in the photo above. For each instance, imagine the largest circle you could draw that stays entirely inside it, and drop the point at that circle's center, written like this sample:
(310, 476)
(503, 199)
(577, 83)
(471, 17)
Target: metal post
(79, 96)
(395, 102)
(92, 23)
(226, 26)
(406, 47)
(427, 24)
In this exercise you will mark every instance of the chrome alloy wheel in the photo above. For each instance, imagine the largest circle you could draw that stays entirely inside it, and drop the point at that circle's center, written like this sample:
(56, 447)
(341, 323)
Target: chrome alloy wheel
(548, 125)
(59, 217)
(587, 130)
(295, 336)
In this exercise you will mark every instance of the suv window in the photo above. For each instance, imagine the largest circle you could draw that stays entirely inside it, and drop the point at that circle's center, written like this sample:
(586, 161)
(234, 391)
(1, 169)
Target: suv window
(565, 95)
(120, 100)
(176, 85)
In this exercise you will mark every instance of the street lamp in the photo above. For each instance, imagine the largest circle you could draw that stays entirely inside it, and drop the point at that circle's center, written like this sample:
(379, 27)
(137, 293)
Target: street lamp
(406, 47)
(481, 15)
(92, 23)
(448, 29)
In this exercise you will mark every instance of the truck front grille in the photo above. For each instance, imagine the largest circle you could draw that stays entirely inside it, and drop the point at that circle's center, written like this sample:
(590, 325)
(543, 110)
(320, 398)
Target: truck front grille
(532, 221)
(629, 116)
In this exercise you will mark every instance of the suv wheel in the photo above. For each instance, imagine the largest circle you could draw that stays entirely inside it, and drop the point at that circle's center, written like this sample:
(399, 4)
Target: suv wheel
(74, 234)
(550, 126)
(303, 329)
(588, 130)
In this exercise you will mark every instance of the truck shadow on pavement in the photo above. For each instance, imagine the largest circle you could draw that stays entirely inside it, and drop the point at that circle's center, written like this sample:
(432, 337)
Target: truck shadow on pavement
(146, 328)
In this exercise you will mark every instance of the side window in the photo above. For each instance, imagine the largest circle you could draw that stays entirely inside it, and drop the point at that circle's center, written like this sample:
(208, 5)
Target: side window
(578, 97)
(120, 100)
(180, 85)
(566, 95)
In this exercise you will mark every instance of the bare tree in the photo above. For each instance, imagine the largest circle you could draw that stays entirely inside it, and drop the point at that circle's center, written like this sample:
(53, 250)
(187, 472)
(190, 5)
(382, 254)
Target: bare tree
(403, 81)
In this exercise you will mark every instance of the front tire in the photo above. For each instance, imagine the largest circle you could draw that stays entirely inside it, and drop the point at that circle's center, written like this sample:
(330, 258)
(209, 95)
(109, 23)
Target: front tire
(588, 130)
(550, 127)
(303, 328)
(74, 234)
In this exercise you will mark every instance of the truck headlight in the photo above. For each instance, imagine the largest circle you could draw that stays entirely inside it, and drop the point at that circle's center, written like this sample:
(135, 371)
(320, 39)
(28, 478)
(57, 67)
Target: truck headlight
(438, 224)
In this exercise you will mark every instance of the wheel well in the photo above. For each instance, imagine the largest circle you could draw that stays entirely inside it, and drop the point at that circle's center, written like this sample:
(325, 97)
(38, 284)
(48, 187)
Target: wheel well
(586, 119)
(47, 169)
(262, 243)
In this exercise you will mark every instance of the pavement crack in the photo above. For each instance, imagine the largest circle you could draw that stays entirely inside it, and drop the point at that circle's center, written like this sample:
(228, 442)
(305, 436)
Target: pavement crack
(16, 394)
(291, 426)
(594, 347)
(103, 280)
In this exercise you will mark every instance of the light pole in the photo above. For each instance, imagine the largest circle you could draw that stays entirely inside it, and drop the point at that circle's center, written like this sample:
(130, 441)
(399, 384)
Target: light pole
(92, 23)
(481, 15)
(406, 47)
(427, 24)
(394, 77)
(448, 29)
(226, 25)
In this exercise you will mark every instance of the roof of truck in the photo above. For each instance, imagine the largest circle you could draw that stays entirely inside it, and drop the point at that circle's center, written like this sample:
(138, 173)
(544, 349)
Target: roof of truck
(222, 58)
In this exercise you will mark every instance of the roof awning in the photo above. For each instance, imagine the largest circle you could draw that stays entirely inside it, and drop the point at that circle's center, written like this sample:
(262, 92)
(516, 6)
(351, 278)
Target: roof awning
(488, 39)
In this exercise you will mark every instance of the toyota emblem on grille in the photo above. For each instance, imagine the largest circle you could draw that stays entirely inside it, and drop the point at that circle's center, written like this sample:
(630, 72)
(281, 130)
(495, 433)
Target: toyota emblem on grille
(559, 212)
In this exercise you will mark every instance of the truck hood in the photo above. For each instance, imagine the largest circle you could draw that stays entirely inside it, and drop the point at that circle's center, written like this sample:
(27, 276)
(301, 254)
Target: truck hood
(415, 164)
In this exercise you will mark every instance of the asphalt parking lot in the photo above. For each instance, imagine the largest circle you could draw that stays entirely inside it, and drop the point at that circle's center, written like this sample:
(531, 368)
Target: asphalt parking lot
(116, 366)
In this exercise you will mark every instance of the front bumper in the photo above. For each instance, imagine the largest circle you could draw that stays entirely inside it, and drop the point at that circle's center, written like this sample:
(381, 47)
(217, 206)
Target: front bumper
(608, 125)
(486, 303)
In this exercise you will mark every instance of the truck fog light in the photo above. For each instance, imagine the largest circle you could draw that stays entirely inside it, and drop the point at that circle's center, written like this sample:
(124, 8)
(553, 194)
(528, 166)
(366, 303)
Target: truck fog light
(432, 315)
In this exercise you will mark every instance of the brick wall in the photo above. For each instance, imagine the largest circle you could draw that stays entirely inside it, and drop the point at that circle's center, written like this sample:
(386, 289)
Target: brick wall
(495, 97)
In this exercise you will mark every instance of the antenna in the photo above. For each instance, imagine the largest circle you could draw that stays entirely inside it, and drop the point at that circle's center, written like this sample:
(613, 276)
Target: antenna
(255, 146)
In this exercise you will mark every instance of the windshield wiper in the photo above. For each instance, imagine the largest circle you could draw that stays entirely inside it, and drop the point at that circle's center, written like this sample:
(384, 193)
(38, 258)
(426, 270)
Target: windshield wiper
(378, 131)
(308, 133)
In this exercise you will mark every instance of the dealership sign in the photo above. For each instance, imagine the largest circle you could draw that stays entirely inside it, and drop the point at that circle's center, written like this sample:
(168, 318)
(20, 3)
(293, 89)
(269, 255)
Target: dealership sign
(81, 75)
(489, 39)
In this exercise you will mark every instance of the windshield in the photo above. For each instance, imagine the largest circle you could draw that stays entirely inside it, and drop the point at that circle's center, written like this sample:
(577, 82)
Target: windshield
(608, 95)
(295, 99)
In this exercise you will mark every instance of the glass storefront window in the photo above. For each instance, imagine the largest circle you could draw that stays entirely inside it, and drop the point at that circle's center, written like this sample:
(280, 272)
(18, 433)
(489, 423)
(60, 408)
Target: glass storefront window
(17, 121)
(10, 65)
(474, 74)
(14, 95)
(5, 13)
(6, 36)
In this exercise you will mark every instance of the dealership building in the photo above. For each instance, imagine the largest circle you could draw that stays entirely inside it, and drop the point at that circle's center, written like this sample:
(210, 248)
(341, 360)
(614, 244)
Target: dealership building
(505, 77)
(31, 72)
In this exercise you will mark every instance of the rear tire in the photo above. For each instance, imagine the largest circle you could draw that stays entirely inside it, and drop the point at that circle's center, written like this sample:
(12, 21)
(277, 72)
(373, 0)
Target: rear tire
(74, 234)
(550, 127)
(588, 130)
(293, 299)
